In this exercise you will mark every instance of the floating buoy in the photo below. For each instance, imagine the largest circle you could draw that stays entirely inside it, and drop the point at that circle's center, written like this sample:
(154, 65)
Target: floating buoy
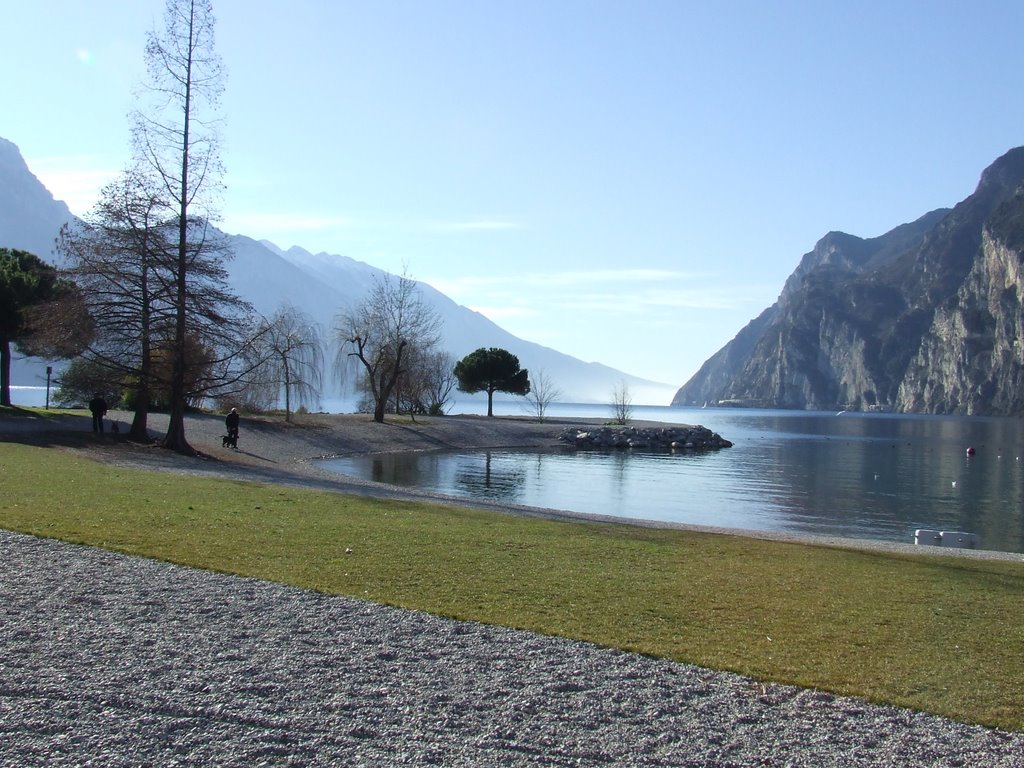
(970, 451)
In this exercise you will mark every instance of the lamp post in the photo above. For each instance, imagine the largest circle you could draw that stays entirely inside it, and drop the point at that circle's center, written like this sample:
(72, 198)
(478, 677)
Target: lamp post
(49, 372)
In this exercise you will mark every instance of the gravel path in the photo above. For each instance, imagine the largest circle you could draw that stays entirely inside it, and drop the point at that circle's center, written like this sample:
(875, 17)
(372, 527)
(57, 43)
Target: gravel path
(112, 660)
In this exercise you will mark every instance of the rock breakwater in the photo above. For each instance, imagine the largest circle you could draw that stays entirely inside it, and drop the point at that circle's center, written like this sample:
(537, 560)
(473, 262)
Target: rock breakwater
(681, 438)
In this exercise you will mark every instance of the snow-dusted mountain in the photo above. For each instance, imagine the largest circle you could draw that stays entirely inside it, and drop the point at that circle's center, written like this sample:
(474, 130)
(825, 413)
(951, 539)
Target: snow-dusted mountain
(321, 285)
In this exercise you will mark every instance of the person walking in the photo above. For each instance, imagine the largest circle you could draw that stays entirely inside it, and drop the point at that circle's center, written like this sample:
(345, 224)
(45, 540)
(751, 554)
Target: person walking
(231, 423)
(98, 407)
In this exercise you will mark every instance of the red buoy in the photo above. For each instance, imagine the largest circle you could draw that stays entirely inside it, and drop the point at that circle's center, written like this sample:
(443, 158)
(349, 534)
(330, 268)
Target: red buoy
(970, 451)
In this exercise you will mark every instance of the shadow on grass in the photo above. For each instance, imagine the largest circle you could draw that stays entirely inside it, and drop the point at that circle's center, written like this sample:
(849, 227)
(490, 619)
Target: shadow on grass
(951, 562)
(63, 430)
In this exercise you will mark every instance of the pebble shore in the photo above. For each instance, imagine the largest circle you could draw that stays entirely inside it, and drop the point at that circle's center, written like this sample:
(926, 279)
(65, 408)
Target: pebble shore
(111, 660)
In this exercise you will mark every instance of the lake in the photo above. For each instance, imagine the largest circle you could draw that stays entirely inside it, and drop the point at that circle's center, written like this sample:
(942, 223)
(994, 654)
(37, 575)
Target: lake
(875, 476)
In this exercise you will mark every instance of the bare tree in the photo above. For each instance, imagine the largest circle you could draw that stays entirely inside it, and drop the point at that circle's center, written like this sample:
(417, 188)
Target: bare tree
(622, 403)
(438, 382)
(120, 256)
(380, 333)
(291, 359)
(176, 141)
(542, 394)
(427, 383)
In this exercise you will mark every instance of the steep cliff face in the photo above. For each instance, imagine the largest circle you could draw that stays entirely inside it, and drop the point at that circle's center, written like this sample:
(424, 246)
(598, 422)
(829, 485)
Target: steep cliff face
(925, 318)
(971, 361)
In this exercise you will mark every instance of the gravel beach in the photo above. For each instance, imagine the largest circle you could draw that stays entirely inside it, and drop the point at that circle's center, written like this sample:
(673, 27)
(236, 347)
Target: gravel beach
(111, 660)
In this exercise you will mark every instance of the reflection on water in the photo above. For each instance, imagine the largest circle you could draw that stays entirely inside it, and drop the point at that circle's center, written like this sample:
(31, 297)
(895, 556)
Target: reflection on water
(872, 476)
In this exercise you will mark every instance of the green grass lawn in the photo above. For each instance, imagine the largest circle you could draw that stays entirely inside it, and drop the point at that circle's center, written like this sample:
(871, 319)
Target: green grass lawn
(937, 633)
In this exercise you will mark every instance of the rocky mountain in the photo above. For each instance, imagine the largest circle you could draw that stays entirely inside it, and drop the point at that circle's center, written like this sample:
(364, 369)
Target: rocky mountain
(926, 318)
(29, 216)
(321, 285)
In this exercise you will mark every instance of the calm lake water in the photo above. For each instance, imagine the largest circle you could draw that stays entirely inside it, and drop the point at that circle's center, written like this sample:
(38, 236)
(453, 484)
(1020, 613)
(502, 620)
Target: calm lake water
(877, 476)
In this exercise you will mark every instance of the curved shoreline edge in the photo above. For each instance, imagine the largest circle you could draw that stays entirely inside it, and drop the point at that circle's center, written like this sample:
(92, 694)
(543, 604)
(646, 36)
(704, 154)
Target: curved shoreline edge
(276, 452)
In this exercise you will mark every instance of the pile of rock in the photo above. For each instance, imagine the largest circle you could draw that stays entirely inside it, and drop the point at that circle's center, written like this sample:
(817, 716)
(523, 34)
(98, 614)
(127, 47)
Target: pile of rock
(681, 438)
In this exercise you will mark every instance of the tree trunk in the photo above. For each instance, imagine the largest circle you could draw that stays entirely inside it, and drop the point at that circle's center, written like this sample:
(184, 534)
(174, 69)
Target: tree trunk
(175, 437)
(490, 401)
(5, 372)
(287, 390)
(386, 387)
(140, 422)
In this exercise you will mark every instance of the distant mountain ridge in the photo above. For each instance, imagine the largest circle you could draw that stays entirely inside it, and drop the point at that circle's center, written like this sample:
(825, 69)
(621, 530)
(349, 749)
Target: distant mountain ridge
(321, 285)
(926, 318)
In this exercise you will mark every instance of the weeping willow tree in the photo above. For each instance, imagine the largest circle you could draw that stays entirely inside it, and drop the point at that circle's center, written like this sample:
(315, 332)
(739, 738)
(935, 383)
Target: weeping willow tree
(289, 360)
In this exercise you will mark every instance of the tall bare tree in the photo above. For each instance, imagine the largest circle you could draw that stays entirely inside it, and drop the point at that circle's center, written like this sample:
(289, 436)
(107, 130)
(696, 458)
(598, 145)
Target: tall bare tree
(290, 358)
(175, 135)
(381, 331)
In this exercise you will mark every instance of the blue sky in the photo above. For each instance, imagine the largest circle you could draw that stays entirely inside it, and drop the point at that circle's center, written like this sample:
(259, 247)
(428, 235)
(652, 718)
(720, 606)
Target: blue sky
(626, 182)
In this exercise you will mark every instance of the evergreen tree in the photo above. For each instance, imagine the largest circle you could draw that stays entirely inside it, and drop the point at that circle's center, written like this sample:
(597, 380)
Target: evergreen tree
(25, 281)
(492, 370)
